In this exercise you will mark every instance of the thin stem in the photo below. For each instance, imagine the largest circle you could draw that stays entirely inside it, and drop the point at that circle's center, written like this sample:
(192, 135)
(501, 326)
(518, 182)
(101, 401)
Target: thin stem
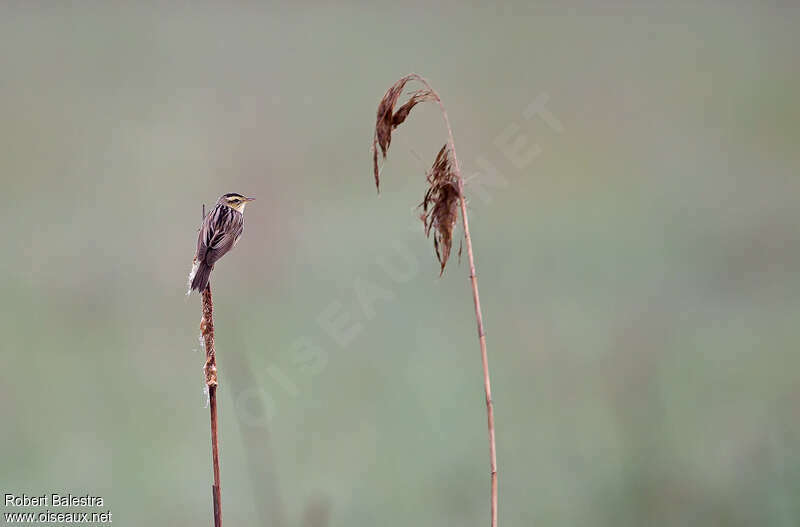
(477, 301)
(210, 369)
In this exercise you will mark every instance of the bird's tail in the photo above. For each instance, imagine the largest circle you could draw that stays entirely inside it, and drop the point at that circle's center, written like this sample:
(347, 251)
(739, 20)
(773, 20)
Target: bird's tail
(200, 277)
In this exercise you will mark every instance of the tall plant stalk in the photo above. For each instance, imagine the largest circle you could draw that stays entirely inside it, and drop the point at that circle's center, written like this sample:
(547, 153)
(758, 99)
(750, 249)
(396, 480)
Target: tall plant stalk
(210, 369)
(439, 215)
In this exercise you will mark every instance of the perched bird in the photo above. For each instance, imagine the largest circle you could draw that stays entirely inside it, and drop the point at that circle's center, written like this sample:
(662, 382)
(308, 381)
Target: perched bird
(219, 233)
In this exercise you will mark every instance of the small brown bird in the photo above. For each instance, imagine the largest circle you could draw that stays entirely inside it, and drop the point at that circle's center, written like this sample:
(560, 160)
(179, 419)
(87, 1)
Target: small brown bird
(220, 231)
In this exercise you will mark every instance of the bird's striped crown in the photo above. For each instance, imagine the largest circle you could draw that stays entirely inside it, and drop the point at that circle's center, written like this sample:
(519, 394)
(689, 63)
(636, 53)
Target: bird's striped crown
(234, 200)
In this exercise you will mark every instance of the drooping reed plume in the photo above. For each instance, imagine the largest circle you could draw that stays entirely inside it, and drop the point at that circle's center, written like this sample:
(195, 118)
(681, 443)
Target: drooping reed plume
(440, 205)
(443, 198)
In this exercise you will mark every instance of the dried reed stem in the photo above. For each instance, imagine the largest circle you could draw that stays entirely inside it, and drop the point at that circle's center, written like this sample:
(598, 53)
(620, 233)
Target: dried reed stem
(210, 369)
(487, 385)
(385, 109)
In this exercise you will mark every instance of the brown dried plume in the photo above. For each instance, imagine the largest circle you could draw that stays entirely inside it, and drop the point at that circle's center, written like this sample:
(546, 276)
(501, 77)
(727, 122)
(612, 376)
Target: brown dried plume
(440, 205)
(388, 119)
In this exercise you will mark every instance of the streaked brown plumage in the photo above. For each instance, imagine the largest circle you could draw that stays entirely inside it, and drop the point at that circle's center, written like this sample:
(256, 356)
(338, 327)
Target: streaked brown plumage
(220, 231)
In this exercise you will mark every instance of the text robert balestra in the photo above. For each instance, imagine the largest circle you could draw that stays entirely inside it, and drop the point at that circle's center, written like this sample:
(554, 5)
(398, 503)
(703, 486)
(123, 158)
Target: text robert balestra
(53, 500)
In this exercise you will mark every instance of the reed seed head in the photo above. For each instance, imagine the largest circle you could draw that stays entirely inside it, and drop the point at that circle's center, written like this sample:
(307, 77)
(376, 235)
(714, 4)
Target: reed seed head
(440, 205)
(388, 119)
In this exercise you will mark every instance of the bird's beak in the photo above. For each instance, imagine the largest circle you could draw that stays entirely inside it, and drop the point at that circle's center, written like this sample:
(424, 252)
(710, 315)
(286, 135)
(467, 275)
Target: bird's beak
(249, 199)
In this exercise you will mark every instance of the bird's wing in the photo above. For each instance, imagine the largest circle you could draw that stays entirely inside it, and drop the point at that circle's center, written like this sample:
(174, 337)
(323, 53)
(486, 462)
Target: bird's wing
(226, 227)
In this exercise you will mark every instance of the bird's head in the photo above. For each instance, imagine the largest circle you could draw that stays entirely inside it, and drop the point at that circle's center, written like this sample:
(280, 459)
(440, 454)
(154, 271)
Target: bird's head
(235, 201)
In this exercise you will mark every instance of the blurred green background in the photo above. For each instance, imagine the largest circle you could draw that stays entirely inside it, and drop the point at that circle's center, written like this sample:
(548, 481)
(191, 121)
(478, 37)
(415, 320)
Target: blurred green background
(637, 249)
